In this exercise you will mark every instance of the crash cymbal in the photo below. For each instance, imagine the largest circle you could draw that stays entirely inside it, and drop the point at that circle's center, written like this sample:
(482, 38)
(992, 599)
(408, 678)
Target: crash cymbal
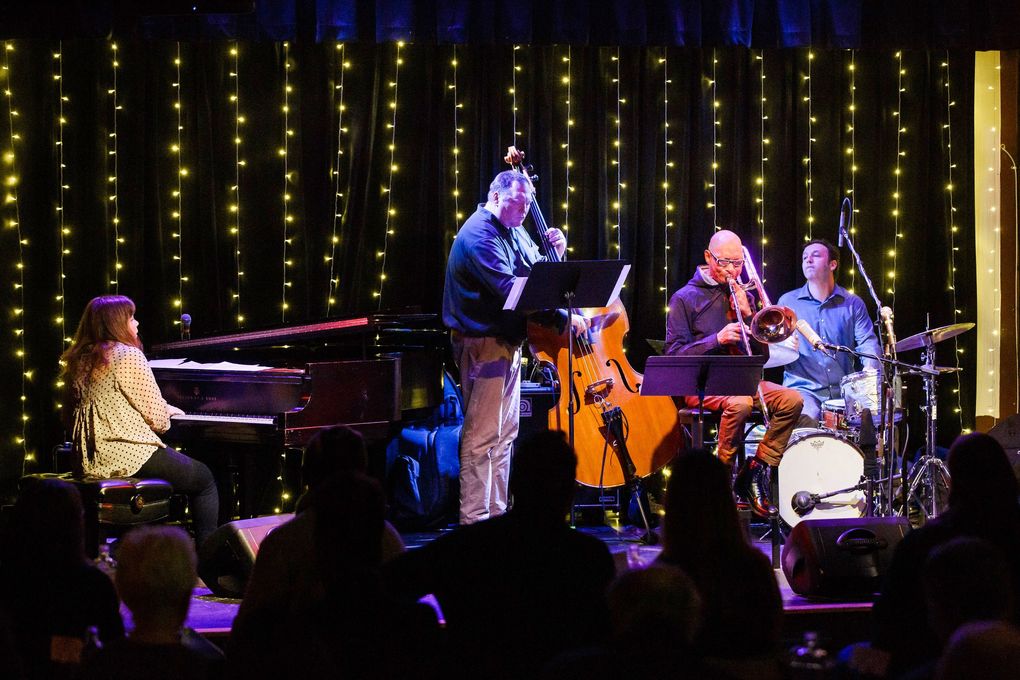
(780, 355)
(925, 338)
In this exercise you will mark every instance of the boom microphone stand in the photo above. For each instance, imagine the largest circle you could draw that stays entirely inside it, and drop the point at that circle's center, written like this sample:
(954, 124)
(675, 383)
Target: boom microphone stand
(887, 439)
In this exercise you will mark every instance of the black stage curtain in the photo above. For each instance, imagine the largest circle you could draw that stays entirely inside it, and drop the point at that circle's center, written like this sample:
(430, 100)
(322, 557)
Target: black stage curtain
(421, 194)
(917, 24)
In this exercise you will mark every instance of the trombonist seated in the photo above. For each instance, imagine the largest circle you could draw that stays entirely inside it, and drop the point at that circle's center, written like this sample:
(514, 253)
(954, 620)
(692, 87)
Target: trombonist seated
(701, 320)
(839, 317)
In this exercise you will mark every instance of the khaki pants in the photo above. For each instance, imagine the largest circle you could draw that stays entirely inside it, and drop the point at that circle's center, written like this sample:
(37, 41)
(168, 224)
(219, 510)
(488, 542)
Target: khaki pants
(490, 381)
(784, 405)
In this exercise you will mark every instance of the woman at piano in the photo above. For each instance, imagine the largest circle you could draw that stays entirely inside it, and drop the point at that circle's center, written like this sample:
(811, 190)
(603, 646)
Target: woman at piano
(119, 412)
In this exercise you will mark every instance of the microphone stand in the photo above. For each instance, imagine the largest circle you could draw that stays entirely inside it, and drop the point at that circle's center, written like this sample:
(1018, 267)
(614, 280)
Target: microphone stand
(886, 421)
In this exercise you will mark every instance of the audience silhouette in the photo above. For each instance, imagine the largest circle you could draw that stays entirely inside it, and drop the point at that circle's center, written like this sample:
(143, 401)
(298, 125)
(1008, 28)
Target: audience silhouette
(982, 504)
(702, 535)
(519, 588)
(155, 579)
(51, 593)
(315, 605)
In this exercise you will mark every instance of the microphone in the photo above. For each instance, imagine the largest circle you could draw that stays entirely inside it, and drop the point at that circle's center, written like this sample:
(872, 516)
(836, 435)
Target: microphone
(844, 219)
(809, 334)
(804, 502)
(887, 318)
(185, 327)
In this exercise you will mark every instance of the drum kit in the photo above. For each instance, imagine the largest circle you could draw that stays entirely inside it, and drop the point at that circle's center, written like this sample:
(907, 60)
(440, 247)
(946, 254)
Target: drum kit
(822, 472)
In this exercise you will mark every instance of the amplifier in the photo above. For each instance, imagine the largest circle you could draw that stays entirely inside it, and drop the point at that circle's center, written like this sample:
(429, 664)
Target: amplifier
(536, 400)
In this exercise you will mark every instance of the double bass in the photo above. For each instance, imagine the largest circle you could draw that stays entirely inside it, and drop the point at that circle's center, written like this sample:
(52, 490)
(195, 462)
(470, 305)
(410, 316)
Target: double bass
(619, 435)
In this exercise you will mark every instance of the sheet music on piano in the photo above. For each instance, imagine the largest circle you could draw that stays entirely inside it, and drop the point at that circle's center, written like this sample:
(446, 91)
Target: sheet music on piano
(187, 364)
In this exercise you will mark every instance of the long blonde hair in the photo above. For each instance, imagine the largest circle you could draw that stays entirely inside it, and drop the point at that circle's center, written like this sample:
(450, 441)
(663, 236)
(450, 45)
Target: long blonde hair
(105, 322)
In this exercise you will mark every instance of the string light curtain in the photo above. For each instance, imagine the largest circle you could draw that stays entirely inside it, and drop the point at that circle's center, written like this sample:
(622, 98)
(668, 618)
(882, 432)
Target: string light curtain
(665, 147)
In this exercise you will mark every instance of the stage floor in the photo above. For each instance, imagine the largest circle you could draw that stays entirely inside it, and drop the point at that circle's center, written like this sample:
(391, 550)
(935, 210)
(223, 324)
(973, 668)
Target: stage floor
(841, 622)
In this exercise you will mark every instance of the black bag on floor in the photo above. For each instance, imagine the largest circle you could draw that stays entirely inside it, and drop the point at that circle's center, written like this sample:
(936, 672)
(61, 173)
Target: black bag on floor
(423, 465)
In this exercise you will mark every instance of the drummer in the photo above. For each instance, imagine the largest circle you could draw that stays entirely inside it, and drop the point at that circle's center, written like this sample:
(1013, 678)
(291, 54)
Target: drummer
(839, 317)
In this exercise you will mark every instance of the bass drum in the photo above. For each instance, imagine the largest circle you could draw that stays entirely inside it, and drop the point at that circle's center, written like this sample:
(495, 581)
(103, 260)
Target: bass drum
(818, 462)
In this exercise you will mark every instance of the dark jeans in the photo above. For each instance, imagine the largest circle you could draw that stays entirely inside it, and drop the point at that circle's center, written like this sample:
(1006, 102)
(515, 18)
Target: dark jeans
(190, 477)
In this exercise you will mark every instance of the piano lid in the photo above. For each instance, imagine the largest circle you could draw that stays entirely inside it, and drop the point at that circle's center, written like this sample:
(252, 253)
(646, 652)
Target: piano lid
(389, 325)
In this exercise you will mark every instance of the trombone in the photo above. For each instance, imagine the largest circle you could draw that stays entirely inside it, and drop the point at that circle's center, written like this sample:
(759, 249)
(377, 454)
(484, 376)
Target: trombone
(770, 324)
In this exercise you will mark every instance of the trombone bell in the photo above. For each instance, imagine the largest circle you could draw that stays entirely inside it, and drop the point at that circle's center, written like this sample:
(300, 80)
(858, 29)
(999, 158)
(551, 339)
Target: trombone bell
(772, 323)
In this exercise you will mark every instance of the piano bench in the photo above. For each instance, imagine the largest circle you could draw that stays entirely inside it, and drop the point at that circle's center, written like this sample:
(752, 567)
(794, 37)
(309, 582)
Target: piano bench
(113, 505)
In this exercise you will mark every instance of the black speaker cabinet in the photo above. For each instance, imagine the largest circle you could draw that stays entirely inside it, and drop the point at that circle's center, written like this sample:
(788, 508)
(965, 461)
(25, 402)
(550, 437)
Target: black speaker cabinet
(227, 556)
(840, 558)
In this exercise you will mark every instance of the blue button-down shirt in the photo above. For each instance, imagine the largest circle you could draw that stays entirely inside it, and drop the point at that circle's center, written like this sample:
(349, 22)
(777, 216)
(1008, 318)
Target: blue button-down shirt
(841, 319)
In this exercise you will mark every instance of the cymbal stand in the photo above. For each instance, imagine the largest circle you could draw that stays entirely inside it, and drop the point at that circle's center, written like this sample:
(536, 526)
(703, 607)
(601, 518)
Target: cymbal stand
(885, 486)
(928, 475)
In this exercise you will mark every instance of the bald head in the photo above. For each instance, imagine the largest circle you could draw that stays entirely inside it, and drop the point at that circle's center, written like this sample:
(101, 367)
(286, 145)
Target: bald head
(724, 238)
(724, 246)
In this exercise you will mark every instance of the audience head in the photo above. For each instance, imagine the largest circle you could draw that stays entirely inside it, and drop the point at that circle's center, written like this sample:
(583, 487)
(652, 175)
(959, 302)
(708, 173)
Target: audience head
(654, 610)
(47, 531)
(542, 474)
(333, 450)
(701, 516)
(989, 650)
(966, 579)
(348, 529)
(981, 476)
(156, 575)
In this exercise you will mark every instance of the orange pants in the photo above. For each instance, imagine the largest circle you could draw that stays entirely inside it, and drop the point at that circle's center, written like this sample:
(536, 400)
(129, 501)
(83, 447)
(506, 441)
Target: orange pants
(784, 405)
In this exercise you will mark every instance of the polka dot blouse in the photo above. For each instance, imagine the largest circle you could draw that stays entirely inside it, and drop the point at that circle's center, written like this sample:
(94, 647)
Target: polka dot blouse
(119, 413)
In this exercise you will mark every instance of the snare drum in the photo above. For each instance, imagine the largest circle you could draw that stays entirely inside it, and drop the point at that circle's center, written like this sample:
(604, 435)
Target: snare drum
(833, 416)
(860, 391)
(818, 462)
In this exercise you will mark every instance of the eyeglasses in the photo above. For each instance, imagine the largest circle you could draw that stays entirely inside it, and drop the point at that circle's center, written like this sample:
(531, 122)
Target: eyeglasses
(722, 262)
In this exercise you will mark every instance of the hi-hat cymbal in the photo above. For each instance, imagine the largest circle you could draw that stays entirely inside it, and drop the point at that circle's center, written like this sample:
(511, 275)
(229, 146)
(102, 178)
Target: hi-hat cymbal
(930, 337)
(938, 369)
(780, 355)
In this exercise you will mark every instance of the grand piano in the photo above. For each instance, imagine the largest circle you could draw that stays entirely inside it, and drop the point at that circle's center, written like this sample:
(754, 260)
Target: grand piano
(254, 399)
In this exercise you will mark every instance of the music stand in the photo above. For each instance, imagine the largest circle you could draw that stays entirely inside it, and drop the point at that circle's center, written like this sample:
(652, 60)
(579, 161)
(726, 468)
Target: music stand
(571, 284)
(722, 375)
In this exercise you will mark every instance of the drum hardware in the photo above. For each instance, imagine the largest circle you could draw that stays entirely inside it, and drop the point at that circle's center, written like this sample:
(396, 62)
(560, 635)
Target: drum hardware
(929, 476)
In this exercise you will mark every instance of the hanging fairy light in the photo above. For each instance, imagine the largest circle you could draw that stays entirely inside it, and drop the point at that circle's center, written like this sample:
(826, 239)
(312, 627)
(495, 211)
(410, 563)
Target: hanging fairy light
(617, 162)
(712, 183)
(568, 162)
(63, 229)
(284, 152)
(764, 158)
(112, 178)
(901, 131)
(851, 153)
(177, 194)
(515, 69)
(667, 142)
(234, 204)
(947, 129)
(339, 200)
(391, 210)
(458, 216)
(809, 158)
(12, 221)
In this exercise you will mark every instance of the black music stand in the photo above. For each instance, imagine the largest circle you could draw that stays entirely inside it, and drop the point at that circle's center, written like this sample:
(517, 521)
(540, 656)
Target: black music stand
(571, 284)
(714, 374)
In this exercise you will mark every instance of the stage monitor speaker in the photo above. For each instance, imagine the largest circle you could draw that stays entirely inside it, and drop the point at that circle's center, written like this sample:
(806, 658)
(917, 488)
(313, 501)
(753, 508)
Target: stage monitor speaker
(841, 557)
(226, 558)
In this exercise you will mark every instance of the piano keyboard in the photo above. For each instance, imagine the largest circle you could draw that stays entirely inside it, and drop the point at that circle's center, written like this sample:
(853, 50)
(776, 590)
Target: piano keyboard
(224, 418)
